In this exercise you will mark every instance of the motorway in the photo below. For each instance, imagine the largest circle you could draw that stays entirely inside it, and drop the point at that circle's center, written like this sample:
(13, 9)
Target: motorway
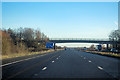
(62, 64)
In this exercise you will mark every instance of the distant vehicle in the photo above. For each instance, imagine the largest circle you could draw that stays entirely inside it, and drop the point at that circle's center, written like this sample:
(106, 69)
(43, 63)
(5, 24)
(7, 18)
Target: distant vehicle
(65, 48)
(113, 50)
(98, 47)
(85, 48)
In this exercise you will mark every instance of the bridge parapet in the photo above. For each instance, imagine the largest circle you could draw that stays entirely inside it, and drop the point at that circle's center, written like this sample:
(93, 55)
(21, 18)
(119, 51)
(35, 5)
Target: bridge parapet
(88, 39)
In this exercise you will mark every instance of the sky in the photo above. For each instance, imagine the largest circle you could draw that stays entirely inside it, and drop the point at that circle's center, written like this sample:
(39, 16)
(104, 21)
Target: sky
(63, 19)
(60, 0)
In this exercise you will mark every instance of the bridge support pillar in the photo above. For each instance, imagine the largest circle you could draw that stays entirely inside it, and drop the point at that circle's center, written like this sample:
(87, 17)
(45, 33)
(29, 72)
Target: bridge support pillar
(107, 46)
(54, 47)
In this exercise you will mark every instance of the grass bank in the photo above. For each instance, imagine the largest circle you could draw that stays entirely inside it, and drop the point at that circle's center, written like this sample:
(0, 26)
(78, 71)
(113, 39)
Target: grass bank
(105, 53)
(26, 54)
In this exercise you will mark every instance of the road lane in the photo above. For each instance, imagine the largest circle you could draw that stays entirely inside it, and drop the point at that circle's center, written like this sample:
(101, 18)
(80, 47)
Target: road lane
(21, 67)
(111, 65)
(65, 64)
(71, 65)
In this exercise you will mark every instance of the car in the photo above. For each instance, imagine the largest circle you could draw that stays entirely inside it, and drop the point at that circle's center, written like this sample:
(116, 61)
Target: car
(65, 48)
(113, 50)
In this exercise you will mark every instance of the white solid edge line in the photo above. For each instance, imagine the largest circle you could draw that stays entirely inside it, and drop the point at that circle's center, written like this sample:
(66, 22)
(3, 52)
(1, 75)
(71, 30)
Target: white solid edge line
(19, 61)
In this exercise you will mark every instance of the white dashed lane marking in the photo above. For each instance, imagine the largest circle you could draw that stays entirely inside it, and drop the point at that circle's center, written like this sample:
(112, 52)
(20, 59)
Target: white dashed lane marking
(56, 58)
(35, 74)
(44, 68)
(53, 61)
(89, 61)
(100, 68)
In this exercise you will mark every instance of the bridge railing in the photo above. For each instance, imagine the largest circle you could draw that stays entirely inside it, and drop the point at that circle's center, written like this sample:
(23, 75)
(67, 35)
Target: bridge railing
(90, 39)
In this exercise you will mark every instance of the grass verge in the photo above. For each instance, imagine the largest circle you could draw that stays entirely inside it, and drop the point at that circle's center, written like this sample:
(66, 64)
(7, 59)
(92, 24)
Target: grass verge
(25, 54)
(105, 53)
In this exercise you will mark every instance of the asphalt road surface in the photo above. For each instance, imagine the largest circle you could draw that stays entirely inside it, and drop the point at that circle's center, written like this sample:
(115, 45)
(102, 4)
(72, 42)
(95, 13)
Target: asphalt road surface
(62, 64)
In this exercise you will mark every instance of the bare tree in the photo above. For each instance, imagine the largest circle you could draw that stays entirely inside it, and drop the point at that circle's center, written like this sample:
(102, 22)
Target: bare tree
(115, 37)
(20, 33)
(12, 34)
(38, 35)
(28, 34)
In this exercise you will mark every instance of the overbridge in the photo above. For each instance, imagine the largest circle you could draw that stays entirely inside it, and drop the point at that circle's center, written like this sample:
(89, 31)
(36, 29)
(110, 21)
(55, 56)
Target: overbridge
(82, 40)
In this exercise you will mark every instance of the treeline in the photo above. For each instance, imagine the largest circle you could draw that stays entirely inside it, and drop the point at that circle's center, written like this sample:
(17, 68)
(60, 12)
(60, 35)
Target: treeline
(115, 37)
(22, 40)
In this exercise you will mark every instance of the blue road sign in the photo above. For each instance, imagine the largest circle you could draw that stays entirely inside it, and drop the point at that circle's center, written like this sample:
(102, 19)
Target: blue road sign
(49, 45)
